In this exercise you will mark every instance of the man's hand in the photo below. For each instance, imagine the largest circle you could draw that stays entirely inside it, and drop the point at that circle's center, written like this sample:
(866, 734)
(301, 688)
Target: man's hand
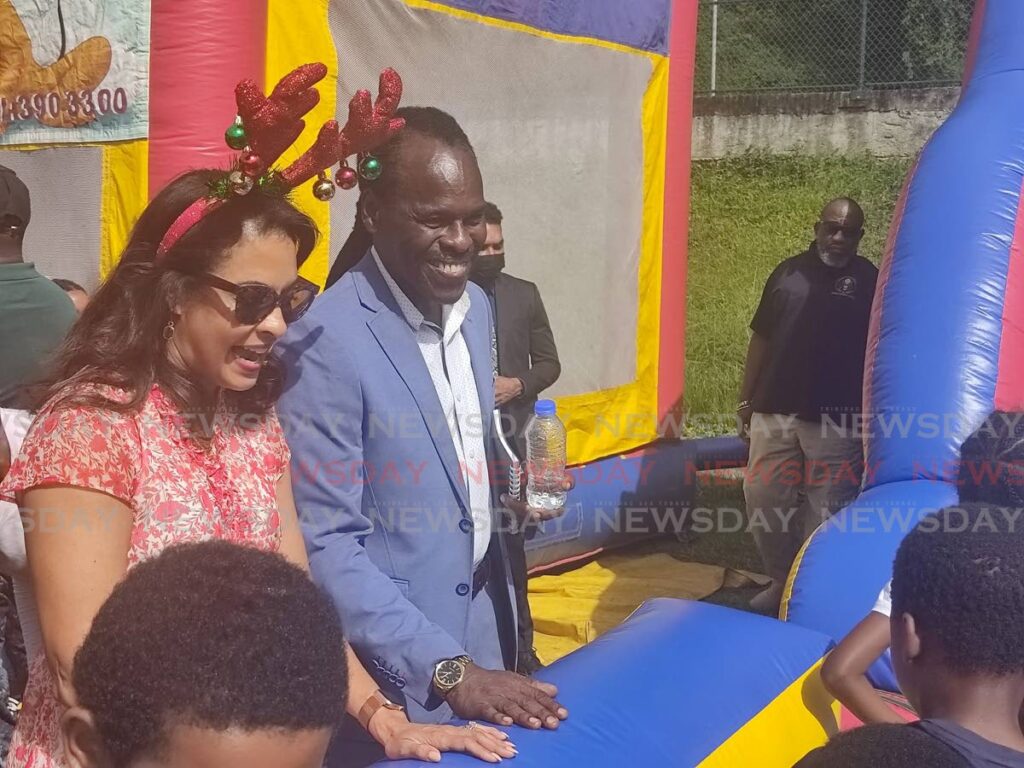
(505, 698)
(506, 389)
(524, 513)
(743, 416)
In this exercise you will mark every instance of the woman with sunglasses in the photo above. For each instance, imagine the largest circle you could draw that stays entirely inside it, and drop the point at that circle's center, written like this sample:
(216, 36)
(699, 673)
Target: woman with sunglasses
(157, 427)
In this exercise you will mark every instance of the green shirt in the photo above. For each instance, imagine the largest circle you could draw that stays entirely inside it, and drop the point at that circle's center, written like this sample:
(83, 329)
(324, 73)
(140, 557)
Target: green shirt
(35, 315)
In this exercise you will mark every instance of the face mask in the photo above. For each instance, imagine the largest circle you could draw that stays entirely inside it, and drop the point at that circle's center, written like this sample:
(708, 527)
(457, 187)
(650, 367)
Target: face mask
(486, 268)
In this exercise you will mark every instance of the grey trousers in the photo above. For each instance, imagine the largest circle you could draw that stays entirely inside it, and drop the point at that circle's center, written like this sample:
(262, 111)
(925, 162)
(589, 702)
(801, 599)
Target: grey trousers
(798, 474)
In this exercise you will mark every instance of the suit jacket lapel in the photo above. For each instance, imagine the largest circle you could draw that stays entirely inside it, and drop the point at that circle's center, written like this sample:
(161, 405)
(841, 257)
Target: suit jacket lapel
(399, 344)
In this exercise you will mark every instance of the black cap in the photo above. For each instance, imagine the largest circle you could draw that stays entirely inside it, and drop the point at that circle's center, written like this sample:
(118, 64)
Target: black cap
(14, 197)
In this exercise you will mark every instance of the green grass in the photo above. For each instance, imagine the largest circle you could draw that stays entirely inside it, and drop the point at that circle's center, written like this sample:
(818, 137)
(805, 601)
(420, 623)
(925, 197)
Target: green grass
(748, 214)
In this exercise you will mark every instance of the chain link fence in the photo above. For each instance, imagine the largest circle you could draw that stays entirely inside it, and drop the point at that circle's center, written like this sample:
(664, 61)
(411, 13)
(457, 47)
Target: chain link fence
(828, 45)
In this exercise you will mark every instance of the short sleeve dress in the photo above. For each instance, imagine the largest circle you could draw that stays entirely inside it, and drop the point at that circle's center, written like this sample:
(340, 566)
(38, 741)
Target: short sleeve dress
(179, 489)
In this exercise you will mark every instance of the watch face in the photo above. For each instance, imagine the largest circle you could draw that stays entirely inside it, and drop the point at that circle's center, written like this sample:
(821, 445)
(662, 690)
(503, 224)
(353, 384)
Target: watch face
(449, 673)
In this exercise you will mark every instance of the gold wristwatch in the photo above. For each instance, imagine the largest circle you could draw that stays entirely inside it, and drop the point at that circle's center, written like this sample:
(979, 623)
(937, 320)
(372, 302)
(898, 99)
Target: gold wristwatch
(376, 701)
(449, 673)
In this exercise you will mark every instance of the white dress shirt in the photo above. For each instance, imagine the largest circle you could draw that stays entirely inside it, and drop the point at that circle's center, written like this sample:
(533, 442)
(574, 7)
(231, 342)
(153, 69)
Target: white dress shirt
(445, 352)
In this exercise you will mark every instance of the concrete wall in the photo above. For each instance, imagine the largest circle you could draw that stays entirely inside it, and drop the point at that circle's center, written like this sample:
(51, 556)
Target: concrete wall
(881, 123)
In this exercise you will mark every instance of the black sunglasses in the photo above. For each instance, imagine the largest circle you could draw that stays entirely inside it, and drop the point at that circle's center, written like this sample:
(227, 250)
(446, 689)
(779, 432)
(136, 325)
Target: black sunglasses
(832, 229)
(255, 301)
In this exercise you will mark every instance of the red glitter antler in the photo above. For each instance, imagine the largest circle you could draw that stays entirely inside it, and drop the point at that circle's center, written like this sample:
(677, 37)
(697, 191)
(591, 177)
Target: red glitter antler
(369, 125)
(272, 124)
(267, 125)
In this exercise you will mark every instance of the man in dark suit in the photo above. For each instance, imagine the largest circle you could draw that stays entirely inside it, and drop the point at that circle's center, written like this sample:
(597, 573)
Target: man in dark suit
(525, 363)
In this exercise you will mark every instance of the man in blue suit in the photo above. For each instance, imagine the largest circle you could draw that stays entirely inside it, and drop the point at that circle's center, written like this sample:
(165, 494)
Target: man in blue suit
(388, 413)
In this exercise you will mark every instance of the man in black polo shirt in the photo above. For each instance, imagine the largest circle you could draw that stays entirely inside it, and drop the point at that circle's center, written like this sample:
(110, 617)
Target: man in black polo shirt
(802, 389)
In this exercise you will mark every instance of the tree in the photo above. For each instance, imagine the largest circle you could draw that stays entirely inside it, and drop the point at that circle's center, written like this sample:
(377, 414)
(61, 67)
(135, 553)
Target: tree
(936, 36)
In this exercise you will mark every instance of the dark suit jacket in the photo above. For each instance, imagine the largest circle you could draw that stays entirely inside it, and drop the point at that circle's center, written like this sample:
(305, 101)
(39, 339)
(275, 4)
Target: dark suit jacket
(526, 350)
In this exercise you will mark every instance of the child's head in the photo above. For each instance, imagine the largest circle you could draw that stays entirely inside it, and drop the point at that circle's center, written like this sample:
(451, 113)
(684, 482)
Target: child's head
(884, 746)
(209, 656)
(958, 600)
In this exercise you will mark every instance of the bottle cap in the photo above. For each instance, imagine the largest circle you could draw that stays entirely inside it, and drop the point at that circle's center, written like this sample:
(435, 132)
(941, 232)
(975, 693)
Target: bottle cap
(545, 408)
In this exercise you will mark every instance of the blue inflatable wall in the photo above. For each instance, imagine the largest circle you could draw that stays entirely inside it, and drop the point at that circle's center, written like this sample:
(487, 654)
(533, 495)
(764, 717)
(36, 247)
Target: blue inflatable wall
(683, 684)
(946, 338)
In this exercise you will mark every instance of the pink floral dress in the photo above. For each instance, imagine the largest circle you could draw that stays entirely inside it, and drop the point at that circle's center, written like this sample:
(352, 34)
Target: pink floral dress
(178, 489)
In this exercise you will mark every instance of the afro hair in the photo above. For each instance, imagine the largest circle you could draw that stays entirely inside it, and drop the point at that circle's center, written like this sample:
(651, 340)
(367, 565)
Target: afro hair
(960, 574)
(211, 635)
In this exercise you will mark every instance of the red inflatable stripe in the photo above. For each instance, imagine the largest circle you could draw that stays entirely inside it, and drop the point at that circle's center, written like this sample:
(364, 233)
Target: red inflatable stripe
(1010, 379)
(200, 49)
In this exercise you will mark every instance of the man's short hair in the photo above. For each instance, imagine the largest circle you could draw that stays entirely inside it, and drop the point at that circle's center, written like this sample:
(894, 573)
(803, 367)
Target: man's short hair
(211, 635)
(15, 201)
(68, 285)
(492, 214)
(426, 121)
(960, 574)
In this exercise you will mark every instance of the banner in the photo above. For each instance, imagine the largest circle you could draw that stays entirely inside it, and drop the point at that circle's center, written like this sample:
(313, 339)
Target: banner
(73, 71)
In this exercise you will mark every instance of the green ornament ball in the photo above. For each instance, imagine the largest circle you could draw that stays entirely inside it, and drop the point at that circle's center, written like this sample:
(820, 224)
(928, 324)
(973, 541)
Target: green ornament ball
(235, 136)
(370, 168)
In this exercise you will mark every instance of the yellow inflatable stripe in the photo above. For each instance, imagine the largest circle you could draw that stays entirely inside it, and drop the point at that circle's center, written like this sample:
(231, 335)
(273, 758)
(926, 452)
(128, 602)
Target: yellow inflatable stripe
(619, 420)
(787, 593)
(800, 719)
(297, 33)
(125, 193)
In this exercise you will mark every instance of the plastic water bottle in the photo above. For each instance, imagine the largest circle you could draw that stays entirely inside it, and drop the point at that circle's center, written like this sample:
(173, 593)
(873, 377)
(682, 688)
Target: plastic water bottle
(545, 457)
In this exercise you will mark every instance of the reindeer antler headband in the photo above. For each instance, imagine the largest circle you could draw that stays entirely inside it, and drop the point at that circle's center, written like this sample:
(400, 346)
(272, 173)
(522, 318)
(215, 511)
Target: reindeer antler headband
(267, 125)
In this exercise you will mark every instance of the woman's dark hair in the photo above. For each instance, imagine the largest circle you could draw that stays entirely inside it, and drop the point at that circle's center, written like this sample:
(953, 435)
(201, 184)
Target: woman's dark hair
(118, 340)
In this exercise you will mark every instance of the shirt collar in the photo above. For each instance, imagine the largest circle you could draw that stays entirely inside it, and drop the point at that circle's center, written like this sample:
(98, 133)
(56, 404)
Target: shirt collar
(452, 315)
(19, 270)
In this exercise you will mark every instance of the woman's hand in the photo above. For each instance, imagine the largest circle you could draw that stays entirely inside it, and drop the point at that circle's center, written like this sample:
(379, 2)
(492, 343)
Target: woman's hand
(402, 739)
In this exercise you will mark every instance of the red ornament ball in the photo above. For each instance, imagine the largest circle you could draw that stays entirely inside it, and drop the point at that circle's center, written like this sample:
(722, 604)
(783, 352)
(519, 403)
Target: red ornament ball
(346, 178)
(250, 163)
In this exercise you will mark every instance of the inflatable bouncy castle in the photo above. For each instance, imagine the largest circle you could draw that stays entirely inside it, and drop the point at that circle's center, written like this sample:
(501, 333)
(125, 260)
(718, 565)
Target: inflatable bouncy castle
(578, 107)
(580, 115)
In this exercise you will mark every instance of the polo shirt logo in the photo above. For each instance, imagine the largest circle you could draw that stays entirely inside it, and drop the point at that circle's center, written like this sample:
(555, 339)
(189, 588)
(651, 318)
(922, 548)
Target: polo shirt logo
(845, 286)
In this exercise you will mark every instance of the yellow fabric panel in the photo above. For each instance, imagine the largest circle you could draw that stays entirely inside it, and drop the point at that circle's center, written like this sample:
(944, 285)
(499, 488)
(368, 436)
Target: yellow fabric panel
(124, 197)
(573, 608)
(297, 33)
(800, 719)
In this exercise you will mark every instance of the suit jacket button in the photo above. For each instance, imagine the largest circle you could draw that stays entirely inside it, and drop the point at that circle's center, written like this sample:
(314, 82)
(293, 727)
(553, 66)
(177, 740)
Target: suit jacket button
(462, 590)
(465, 525)
(400, 683)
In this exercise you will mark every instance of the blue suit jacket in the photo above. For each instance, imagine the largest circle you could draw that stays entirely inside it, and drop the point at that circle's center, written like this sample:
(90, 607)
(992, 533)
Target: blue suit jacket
(380, 495)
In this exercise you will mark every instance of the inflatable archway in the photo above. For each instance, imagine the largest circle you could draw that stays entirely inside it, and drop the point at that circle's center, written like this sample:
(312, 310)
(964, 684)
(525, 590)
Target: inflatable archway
(946, 346)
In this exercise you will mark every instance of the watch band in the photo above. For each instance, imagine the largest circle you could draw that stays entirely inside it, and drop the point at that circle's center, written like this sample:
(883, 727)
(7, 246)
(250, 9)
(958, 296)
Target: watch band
(376, 701)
